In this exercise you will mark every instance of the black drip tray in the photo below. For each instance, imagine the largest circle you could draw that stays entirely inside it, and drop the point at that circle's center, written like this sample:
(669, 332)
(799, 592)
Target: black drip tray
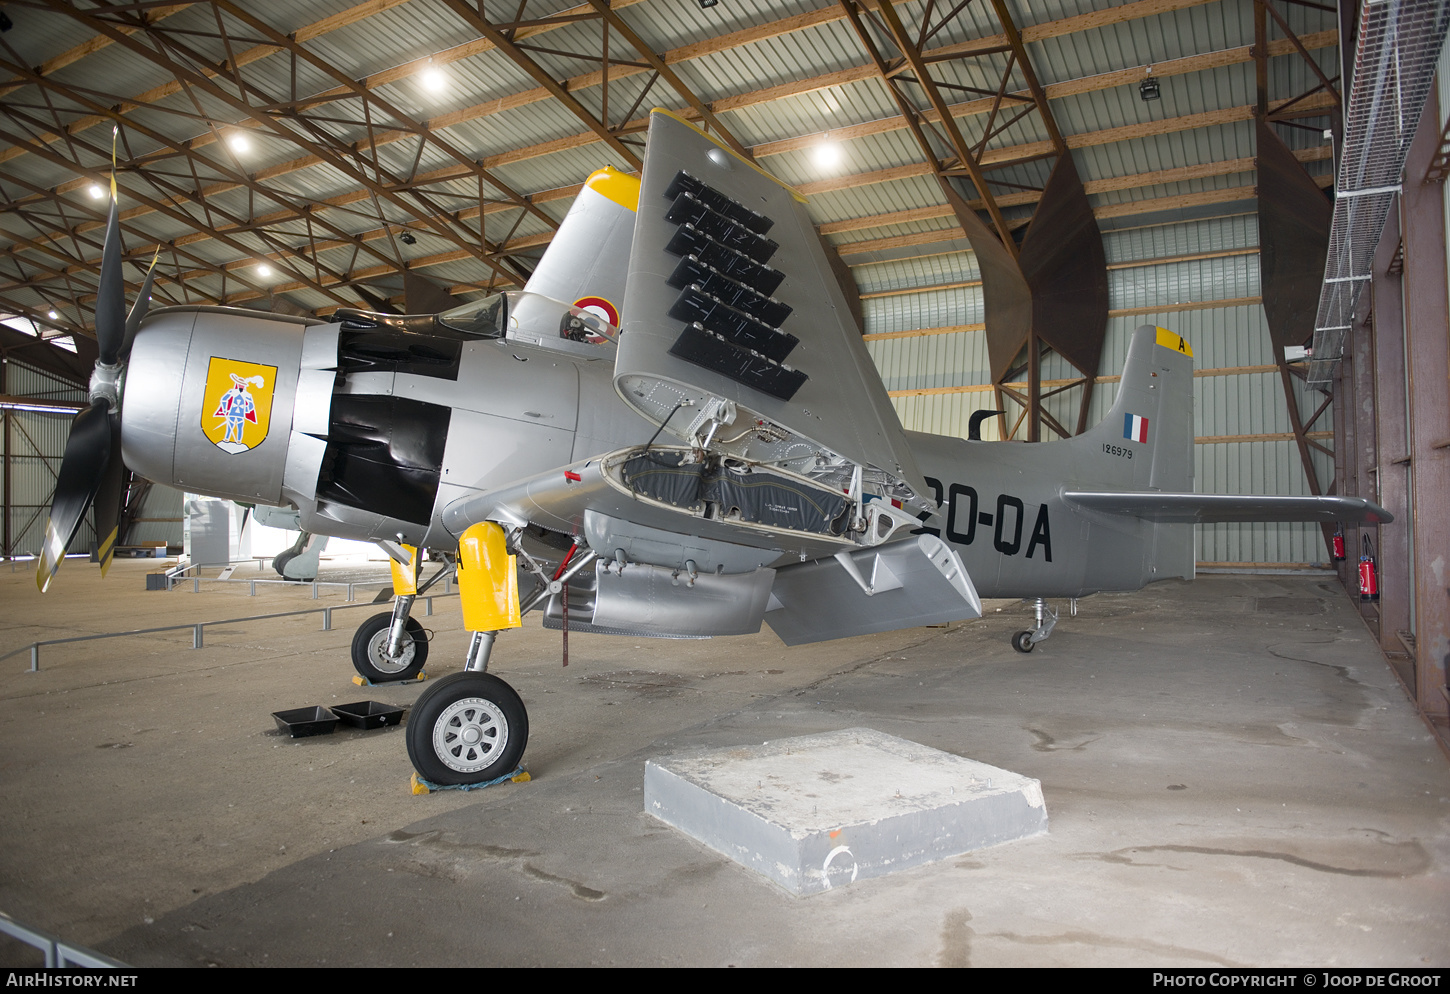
(302, 722)
(369, 714)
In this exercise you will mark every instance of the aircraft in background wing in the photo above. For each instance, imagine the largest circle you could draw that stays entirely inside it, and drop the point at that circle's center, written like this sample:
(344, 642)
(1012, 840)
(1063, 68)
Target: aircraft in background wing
(673, 431)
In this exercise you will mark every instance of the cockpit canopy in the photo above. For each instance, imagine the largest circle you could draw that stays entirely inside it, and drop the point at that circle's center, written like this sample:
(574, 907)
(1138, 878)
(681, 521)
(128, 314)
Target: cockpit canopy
(537, 320)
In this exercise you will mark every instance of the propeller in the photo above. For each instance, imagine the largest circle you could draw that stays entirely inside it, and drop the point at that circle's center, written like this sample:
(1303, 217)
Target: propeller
(91, 471)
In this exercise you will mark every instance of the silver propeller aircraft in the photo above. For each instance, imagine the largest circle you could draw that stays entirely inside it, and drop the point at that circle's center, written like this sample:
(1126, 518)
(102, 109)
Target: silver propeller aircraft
(674, 430)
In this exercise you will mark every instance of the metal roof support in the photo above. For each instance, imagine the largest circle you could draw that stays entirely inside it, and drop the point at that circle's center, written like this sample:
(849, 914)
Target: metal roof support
(1050, 287)
(196, 70)
(505, 42)
(657, 63)
(176, 194)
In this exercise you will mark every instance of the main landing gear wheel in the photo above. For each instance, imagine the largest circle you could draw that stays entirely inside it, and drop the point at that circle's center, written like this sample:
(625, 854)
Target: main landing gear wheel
(467, 728)
(1022, 641)
(370, 655)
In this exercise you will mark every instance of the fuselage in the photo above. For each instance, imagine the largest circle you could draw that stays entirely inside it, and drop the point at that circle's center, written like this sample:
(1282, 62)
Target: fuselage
(372, 427)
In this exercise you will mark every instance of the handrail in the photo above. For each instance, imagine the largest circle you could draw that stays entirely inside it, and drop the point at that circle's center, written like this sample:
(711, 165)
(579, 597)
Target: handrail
(58, 952)
(196, 627)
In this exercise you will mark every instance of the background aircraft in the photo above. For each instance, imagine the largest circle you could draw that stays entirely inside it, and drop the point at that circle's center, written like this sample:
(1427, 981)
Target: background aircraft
(674, 430)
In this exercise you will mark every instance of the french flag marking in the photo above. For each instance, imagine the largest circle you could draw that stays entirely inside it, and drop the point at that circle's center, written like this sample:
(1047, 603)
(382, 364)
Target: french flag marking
(1135, 427)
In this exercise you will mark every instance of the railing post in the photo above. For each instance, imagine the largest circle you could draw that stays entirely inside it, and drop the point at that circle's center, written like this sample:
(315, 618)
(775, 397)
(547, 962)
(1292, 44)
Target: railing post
(254, 588)
(314, 589)
(349, 593)
(196, 585)
(196, 636)
(35, 658)
(428, 606)
(327, 619)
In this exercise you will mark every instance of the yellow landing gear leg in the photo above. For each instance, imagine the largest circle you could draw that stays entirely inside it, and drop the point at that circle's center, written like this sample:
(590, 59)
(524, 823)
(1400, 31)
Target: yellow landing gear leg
(392, 646)
(471, 727)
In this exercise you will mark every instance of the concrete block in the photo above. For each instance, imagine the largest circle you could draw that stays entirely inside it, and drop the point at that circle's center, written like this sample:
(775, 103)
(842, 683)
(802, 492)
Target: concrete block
(818, 811)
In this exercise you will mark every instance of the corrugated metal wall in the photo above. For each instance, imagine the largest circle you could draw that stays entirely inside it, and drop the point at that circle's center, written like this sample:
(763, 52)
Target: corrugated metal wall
(939, 380)
(32, 445)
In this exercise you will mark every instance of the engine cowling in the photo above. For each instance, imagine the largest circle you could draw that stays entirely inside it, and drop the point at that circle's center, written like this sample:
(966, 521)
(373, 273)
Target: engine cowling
(212, 401)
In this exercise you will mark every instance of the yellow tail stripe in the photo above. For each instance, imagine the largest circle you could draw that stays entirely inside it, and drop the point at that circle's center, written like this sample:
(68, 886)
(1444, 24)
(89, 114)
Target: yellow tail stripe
(1173, 340)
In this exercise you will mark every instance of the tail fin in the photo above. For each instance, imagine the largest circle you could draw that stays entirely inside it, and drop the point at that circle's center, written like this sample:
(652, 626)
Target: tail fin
(588, 260)
(1152, 418)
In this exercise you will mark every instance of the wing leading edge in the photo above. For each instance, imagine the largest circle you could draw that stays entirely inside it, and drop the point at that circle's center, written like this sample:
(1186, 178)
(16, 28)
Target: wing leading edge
(1208, 508)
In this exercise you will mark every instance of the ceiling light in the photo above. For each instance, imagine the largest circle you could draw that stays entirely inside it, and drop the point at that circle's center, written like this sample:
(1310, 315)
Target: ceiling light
(95, 191)
(707, 4)
(264, 271)
(239, 143)
(409, 238)
(434, 79)
(55, 315)
(1149, 89)
(826, 155)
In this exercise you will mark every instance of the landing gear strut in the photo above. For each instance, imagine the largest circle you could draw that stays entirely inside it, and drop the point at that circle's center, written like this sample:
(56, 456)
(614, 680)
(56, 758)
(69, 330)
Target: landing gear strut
(471, 727)
(394, 646)
(1046, 621)
(379, 657)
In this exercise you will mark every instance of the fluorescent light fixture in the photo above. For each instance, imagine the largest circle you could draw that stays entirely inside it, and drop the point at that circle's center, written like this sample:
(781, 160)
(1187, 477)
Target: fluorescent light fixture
(239, 143)
(264, 271)
(53, 315)
(37, 408)
(95, 191)
(434, 79)
(827, 155)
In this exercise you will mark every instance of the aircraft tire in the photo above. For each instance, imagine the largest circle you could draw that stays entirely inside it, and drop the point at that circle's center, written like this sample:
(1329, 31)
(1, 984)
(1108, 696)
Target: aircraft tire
(370, 650)
(1022, 641)
(467, 728)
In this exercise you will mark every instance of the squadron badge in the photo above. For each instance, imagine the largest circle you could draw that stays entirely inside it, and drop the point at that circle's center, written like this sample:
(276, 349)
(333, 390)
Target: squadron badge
(237, 405)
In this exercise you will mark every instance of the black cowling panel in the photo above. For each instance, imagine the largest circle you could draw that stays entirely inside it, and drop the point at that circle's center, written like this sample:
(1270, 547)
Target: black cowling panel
(385, 454)
(413, 343)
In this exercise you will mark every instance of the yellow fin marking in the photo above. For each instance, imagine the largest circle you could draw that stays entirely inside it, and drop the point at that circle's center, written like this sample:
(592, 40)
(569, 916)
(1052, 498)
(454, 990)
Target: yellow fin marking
(1176, 342)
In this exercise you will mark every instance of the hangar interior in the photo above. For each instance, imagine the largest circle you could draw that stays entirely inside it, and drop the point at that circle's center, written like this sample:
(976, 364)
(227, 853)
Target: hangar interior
(1006, 189)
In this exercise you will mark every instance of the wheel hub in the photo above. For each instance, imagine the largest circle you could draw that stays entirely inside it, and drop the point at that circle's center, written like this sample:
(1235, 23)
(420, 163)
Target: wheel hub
(470, 734)
(385, 662)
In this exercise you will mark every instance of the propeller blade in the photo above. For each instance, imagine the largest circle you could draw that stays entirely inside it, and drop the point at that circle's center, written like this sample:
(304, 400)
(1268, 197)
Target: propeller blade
(111, 295)
(139, 308)
(108, 501)
(82, 470)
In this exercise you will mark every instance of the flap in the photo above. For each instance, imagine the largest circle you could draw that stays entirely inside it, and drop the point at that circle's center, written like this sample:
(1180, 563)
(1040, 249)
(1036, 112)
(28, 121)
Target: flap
(918, 581)
(736, 333)
(1204, 508)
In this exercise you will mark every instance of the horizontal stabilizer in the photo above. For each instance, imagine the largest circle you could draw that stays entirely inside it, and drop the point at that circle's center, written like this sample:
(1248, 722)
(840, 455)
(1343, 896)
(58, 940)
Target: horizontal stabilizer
(1207, 508)
(919, 581)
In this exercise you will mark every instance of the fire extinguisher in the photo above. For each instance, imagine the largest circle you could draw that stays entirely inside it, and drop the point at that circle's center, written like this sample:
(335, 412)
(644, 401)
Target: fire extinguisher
(1369, 589)
(1337, 543)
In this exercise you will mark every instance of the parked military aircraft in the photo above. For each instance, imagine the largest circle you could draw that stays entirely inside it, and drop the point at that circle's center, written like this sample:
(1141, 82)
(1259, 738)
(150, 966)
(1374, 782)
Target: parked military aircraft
(674, 430)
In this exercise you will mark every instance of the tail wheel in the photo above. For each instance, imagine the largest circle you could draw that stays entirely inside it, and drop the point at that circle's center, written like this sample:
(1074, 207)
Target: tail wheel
(370, 655)
(1022, 642)
(467, 728)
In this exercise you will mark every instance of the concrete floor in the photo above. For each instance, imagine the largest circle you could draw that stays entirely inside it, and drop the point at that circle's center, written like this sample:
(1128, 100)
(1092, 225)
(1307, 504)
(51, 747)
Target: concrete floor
(1233, 776)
